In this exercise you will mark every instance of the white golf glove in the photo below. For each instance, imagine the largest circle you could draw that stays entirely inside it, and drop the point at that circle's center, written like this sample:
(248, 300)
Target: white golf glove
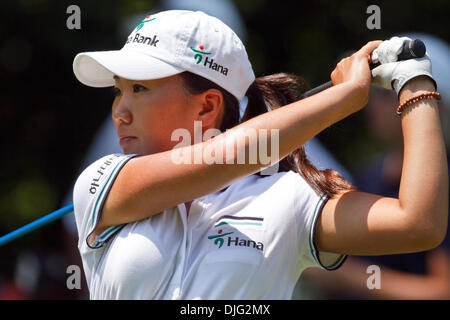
(402, 71)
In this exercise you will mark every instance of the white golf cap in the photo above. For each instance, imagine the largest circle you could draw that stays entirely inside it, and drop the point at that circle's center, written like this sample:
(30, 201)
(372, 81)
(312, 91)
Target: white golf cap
(168, 43)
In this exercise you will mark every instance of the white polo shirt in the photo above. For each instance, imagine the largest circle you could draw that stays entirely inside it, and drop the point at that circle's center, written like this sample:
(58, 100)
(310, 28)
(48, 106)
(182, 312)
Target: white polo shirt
(249, 241)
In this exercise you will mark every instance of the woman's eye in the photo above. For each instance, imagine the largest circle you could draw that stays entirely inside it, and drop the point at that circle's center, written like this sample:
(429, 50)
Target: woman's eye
(138, 88)
(116, 91)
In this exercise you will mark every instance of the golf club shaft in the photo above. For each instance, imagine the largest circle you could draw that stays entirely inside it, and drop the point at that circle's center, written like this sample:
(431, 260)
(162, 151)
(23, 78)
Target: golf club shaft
(36, 224)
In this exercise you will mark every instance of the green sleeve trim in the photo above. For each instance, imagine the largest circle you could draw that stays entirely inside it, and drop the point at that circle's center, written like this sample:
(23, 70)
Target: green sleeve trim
(102, 238)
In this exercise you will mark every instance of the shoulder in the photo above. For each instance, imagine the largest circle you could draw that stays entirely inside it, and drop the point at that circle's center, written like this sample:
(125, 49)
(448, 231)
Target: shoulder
(291, 184)
(281, 179)
(255, 184)
(286, 189)
(89, 181)
(287, 182)
(91, 188)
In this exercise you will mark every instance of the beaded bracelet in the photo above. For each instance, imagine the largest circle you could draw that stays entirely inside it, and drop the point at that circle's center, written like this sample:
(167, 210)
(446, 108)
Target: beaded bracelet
(426, 95)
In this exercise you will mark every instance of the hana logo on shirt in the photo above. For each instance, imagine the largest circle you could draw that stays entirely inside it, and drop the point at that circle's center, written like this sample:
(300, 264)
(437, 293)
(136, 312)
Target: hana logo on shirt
(221, 237)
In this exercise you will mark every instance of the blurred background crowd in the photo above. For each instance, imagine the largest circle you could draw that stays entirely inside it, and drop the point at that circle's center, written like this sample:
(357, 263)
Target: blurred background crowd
(53, 126)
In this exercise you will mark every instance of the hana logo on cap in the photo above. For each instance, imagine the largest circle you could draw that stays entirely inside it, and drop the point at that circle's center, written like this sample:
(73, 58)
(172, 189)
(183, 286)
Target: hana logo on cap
(199, 53)
(208, 62)
(140, 25)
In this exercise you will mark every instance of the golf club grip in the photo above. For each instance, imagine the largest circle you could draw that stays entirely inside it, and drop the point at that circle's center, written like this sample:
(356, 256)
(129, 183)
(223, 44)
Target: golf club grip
(410, 50)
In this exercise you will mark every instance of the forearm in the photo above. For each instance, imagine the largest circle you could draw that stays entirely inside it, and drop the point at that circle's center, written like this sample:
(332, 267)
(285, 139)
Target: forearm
(300, 121)
(353, 277)
(149, 184)
(423, 193)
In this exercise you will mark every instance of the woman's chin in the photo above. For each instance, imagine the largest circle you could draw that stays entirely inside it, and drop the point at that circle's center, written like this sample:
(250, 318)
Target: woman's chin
(130, 150)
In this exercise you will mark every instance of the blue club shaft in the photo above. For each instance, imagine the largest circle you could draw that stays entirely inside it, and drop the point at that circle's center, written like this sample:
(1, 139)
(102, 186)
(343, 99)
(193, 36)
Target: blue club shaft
(36, 224)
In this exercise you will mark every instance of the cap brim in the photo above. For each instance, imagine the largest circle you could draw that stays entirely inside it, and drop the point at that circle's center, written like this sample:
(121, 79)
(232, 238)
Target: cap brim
(97, 68)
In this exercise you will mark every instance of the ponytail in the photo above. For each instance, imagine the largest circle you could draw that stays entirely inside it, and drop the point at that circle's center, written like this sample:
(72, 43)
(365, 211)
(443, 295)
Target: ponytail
(274, 91)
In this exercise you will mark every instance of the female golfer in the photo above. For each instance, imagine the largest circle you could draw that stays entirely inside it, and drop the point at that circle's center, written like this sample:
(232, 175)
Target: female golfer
(182, 217)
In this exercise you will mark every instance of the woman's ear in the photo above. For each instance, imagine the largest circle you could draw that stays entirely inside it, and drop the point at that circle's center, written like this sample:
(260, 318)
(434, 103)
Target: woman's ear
(211, 108)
